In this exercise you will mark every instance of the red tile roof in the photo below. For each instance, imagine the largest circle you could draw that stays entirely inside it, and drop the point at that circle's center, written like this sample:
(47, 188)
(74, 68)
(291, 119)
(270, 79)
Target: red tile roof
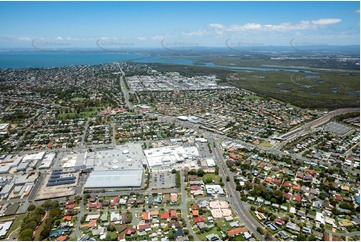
(296, 187)
(67, 218)
(233, 157)
(277, 181)
(142, 227)
(268, 179)
(236, 231)
(287, 195)
(145, 216)
(297, 198)
(195, 188)
(165, 215)
(287, 184)
(95, 205)
(115, 201)
(338, 197)
(70, 206)
(130, 231)
(195, 206)
(198, 219)
(173, 214)
(62, 238)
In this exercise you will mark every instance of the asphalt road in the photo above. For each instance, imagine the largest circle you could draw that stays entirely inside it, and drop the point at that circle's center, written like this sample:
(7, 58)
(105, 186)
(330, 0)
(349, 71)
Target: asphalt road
(235, 200)
(124, 88)
(313, 124)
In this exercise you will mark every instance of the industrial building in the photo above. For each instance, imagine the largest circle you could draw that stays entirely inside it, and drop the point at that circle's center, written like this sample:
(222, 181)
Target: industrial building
(121, 167)
(169, 155)
(47, 161)
(129, 156)
(128, 178)
(58, 177)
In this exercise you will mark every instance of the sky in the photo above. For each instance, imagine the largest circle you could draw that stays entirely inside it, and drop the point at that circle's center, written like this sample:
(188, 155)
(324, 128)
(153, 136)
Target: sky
(111, 25)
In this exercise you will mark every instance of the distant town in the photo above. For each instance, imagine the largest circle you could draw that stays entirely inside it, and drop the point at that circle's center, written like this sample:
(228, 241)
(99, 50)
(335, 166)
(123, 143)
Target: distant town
(125, 151)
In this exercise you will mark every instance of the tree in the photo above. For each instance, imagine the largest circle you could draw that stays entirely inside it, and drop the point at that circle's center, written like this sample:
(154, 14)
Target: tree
(111, 228)
(311, 238)
(171, 235)
(227, 178)
(174, 171)
(192, 172)
(31, 207)
(248, 185)
(260, 230)
(50, 204)
(26, 234)
(301, 237)
(165, 229)
(268, 236)
(217, 171)
(29, 225)
(200, 172)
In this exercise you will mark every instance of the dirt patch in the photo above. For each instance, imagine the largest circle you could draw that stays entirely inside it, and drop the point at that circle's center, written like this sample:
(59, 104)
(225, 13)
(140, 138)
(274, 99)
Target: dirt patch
(40, 227)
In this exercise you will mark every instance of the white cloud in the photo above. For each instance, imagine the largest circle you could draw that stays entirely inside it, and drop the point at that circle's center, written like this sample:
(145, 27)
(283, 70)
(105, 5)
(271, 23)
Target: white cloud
(59, 38)
(217, 26)
(24, 39)
(141, 38)
(158, 37)
(326, 21)
(302, 25)
(198, 33)
(357, 11)
(252, 26)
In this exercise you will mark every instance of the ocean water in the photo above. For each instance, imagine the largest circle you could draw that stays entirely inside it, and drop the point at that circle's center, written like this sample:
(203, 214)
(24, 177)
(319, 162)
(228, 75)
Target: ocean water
(56, 59)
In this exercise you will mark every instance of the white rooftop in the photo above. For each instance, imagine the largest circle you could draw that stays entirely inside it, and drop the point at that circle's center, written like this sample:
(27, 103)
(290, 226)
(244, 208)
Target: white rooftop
(115, 178)
(169, 155)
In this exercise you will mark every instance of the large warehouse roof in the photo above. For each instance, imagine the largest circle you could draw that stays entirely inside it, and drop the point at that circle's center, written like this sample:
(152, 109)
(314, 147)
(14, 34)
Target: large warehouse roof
(115, 178)
(129, 156)
(165, 156)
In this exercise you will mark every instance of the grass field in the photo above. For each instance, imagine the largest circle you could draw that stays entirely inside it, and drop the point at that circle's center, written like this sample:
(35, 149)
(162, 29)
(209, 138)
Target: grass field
(265, 143)
(317, 90)
(211, 177)
(237, 238)
(90, 112)
(17, 223)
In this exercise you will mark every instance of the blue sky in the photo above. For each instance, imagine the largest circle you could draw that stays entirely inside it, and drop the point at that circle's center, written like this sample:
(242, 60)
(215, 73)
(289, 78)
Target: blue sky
(153, 24)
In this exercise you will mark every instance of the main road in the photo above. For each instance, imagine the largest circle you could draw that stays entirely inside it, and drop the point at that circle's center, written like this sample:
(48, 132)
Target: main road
(308, 127)
(124, 88)
(237, 204)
